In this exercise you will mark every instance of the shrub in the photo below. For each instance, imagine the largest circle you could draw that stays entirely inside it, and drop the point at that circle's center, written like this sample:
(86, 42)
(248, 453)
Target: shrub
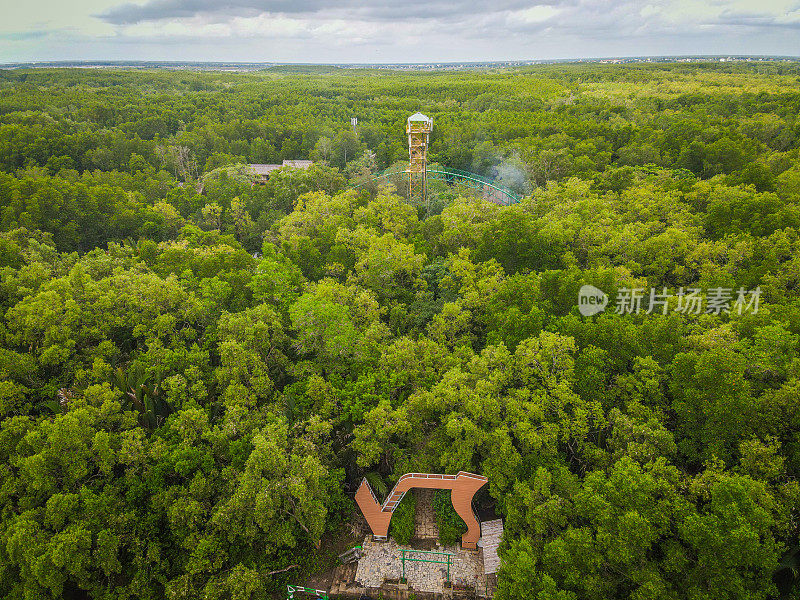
(451, 526)
(402, 526)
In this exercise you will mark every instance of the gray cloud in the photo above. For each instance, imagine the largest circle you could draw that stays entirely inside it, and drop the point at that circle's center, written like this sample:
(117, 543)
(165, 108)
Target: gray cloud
(585, 19)
(155, 10)
(19, 36)
(753, 20)
(414, 31)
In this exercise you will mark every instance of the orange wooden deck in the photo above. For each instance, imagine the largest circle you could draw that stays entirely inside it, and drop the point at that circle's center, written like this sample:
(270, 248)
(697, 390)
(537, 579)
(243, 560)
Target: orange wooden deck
(462, 488)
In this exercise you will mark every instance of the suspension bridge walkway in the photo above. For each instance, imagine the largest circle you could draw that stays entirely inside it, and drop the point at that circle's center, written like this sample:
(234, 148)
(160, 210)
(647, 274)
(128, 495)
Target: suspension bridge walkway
(487, 188)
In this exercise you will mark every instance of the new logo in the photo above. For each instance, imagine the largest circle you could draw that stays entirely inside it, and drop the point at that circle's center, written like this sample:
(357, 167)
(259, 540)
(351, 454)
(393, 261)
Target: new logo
(591, 300)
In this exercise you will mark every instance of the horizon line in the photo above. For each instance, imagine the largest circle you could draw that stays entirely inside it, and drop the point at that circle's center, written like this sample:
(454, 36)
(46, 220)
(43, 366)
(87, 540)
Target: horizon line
(531, 61)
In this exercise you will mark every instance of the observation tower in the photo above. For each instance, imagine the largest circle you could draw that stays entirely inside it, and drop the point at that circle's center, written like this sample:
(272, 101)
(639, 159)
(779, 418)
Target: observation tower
(419, 129)
(446, 183)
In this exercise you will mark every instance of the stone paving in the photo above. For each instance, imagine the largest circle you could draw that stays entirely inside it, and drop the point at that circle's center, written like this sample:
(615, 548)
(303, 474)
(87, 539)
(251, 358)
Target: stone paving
(381, 561)
(425, 527)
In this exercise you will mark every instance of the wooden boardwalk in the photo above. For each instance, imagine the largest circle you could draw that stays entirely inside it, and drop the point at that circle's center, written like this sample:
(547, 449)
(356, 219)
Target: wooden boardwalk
(462, 485)
(491, 532)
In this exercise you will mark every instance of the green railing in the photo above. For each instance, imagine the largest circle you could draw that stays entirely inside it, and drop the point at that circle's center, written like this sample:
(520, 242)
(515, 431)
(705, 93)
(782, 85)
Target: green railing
(291, 589)
(451, 177)
(447, 561)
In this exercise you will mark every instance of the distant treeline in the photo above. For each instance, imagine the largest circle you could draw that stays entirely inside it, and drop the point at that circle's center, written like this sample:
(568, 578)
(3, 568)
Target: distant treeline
(196, 372)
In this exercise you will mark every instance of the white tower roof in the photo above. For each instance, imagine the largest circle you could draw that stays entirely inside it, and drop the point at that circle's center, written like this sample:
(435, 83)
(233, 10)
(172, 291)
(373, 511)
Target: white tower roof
(418, 117)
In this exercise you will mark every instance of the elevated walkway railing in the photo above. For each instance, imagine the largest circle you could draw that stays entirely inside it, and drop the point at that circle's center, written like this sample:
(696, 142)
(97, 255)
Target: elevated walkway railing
(451, 176)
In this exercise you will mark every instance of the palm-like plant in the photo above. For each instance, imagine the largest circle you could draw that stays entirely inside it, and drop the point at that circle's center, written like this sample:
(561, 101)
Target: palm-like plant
(787, 574)
(140, 396)
(377, 483)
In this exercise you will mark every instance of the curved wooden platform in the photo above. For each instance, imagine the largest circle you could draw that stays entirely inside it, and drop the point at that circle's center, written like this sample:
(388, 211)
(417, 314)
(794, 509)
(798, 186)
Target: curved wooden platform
(462, 488)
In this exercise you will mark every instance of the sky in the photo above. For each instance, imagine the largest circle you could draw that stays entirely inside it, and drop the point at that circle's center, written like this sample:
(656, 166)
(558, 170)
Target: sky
(389, 31)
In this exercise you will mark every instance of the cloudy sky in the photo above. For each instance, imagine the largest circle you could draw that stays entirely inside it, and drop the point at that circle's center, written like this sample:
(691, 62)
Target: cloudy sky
(391, 31)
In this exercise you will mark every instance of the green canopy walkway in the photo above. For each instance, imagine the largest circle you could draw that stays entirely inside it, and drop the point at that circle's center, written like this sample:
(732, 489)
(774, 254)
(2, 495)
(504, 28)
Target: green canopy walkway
(488, 189)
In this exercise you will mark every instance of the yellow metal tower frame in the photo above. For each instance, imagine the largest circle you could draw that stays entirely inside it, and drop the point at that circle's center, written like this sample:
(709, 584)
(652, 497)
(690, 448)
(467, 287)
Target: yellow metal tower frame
(419, 129)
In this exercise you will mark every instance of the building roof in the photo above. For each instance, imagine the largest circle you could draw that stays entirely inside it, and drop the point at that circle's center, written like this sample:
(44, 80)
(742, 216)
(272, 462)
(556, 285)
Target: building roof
(263, 169)
(266, 169)
(297, 164)
(418, 117)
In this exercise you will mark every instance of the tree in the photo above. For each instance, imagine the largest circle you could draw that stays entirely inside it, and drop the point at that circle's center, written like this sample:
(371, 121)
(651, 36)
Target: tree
(635, 532)
(346, 147)
(337, 325)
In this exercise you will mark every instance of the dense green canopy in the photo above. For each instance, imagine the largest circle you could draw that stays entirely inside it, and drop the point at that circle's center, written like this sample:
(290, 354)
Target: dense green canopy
(195, 373)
